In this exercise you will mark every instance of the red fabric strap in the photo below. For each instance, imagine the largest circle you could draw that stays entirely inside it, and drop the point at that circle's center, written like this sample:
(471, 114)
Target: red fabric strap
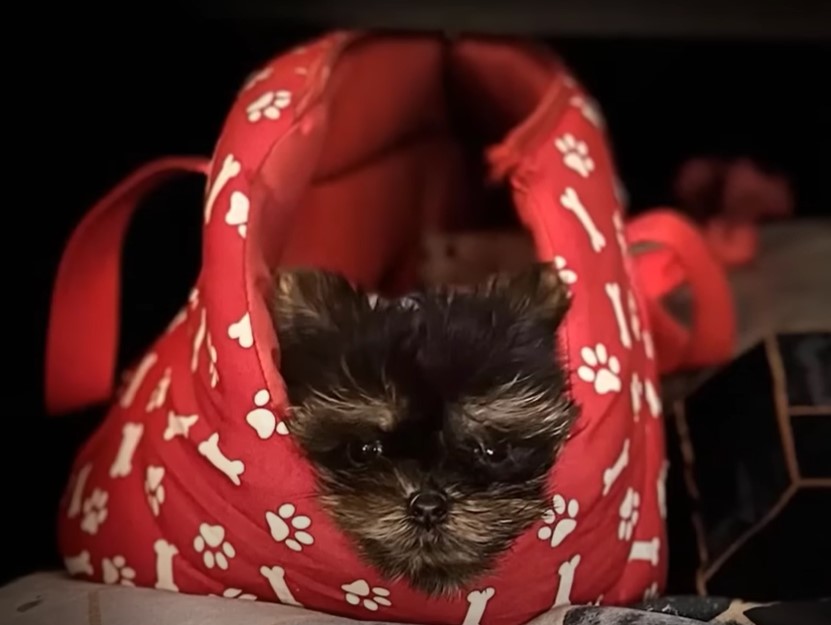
(681, 256)
(82, 336)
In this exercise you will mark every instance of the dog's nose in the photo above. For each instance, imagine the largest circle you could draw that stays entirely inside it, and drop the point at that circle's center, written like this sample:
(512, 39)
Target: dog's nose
(428, 507)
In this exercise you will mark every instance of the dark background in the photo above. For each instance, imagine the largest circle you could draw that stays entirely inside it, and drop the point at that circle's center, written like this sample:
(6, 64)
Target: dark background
(94, 96)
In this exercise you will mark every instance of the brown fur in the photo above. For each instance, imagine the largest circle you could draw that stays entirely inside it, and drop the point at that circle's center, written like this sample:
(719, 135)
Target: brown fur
(455, 392)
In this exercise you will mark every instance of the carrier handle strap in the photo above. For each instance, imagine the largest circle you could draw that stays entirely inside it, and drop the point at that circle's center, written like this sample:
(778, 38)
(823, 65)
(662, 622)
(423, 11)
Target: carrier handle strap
(83, 332)
(676, 253)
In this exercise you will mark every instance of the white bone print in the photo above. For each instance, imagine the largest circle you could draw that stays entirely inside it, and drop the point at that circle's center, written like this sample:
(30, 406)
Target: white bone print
(256, 77)
(560, 520)
(230, 169)
(211, 544)
(213, 372)
(79, 565)
(240, 331)
(165, 552)
(629, 513)
(193, 297)
(652, 400)
(634, 315)
(131, 434)
(575, 154)
(136, 379)
(154, 489)
(95, 511)
(198, 339)
(75, 500)
(661, 487)
(620, 232)
(159, 395)
(611, 474)
(613, 292)
(231, 468)
(237, 215)
(589, 110)
(636, 391)
(289, 528)
(115, 571)
(276, 576)
(477, 603)
(178, 425)
(566, 574)
(600, 369)
(263, 419)
(359, 592)
(571, 202)
(648, 346)
(646, 551)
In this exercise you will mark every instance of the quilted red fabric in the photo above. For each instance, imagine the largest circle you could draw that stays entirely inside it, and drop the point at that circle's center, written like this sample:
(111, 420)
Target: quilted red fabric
(192, 484)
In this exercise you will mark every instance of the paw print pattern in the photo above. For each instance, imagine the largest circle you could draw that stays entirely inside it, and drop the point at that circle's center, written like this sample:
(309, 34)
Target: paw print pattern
(288, 528)
(636, 390)
(269, 105)
(575, 154)
(629, 514)
(567, 274)
(652, 399)
(600, 369)
(263, 419)
(116, 571)
(94, 511)
(236, 593)
(211, 543)
(651, 592)
(154, 489)
(560, 520)
(359, 592)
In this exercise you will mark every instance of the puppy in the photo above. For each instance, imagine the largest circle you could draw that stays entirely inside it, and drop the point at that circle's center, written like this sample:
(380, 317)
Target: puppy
(432, 421)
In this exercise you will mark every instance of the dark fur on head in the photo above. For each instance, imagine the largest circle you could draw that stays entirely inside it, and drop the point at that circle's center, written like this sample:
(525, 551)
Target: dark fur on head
(458, 394)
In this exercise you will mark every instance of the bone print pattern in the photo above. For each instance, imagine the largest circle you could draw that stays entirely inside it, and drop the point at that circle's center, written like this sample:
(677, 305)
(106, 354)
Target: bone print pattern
(218, 502)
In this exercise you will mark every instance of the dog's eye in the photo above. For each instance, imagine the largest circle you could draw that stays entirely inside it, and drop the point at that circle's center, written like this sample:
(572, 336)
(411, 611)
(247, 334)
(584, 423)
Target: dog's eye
(361, 453)
(490, 454)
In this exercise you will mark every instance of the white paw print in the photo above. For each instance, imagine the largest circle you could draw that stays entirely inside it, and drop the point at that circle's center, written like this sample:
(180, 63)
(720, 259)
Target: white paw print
(211, 543)
(629, 514)
(262, 419)
(588, 107)
(652, 400)
(290, 529)
(575, 154)
(159, 394)
(560, 520)
(600, 369)
(269, 105)
(95, 511)
(116, 571)
(636, 390)
(567, 274)
(154, 489)
(359, 592)
(236, 593)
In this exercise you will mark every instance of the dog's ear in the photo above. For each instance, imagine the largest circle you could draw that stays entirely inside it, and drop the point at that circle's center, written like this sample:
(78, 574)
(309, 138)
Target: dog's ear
(307, 299)
(537, 293)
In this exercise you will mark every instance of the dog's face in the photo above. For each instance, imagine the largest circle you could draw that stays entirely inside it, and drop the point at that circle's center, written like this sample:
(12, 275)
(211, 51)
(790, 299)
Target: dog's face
(432, 422)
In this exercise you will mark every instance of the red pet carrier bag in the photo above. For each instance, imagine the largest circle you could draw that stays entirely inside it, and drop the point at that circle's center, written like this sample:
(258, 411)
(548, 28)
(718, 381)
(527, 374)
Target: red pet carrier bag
(333, 155)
